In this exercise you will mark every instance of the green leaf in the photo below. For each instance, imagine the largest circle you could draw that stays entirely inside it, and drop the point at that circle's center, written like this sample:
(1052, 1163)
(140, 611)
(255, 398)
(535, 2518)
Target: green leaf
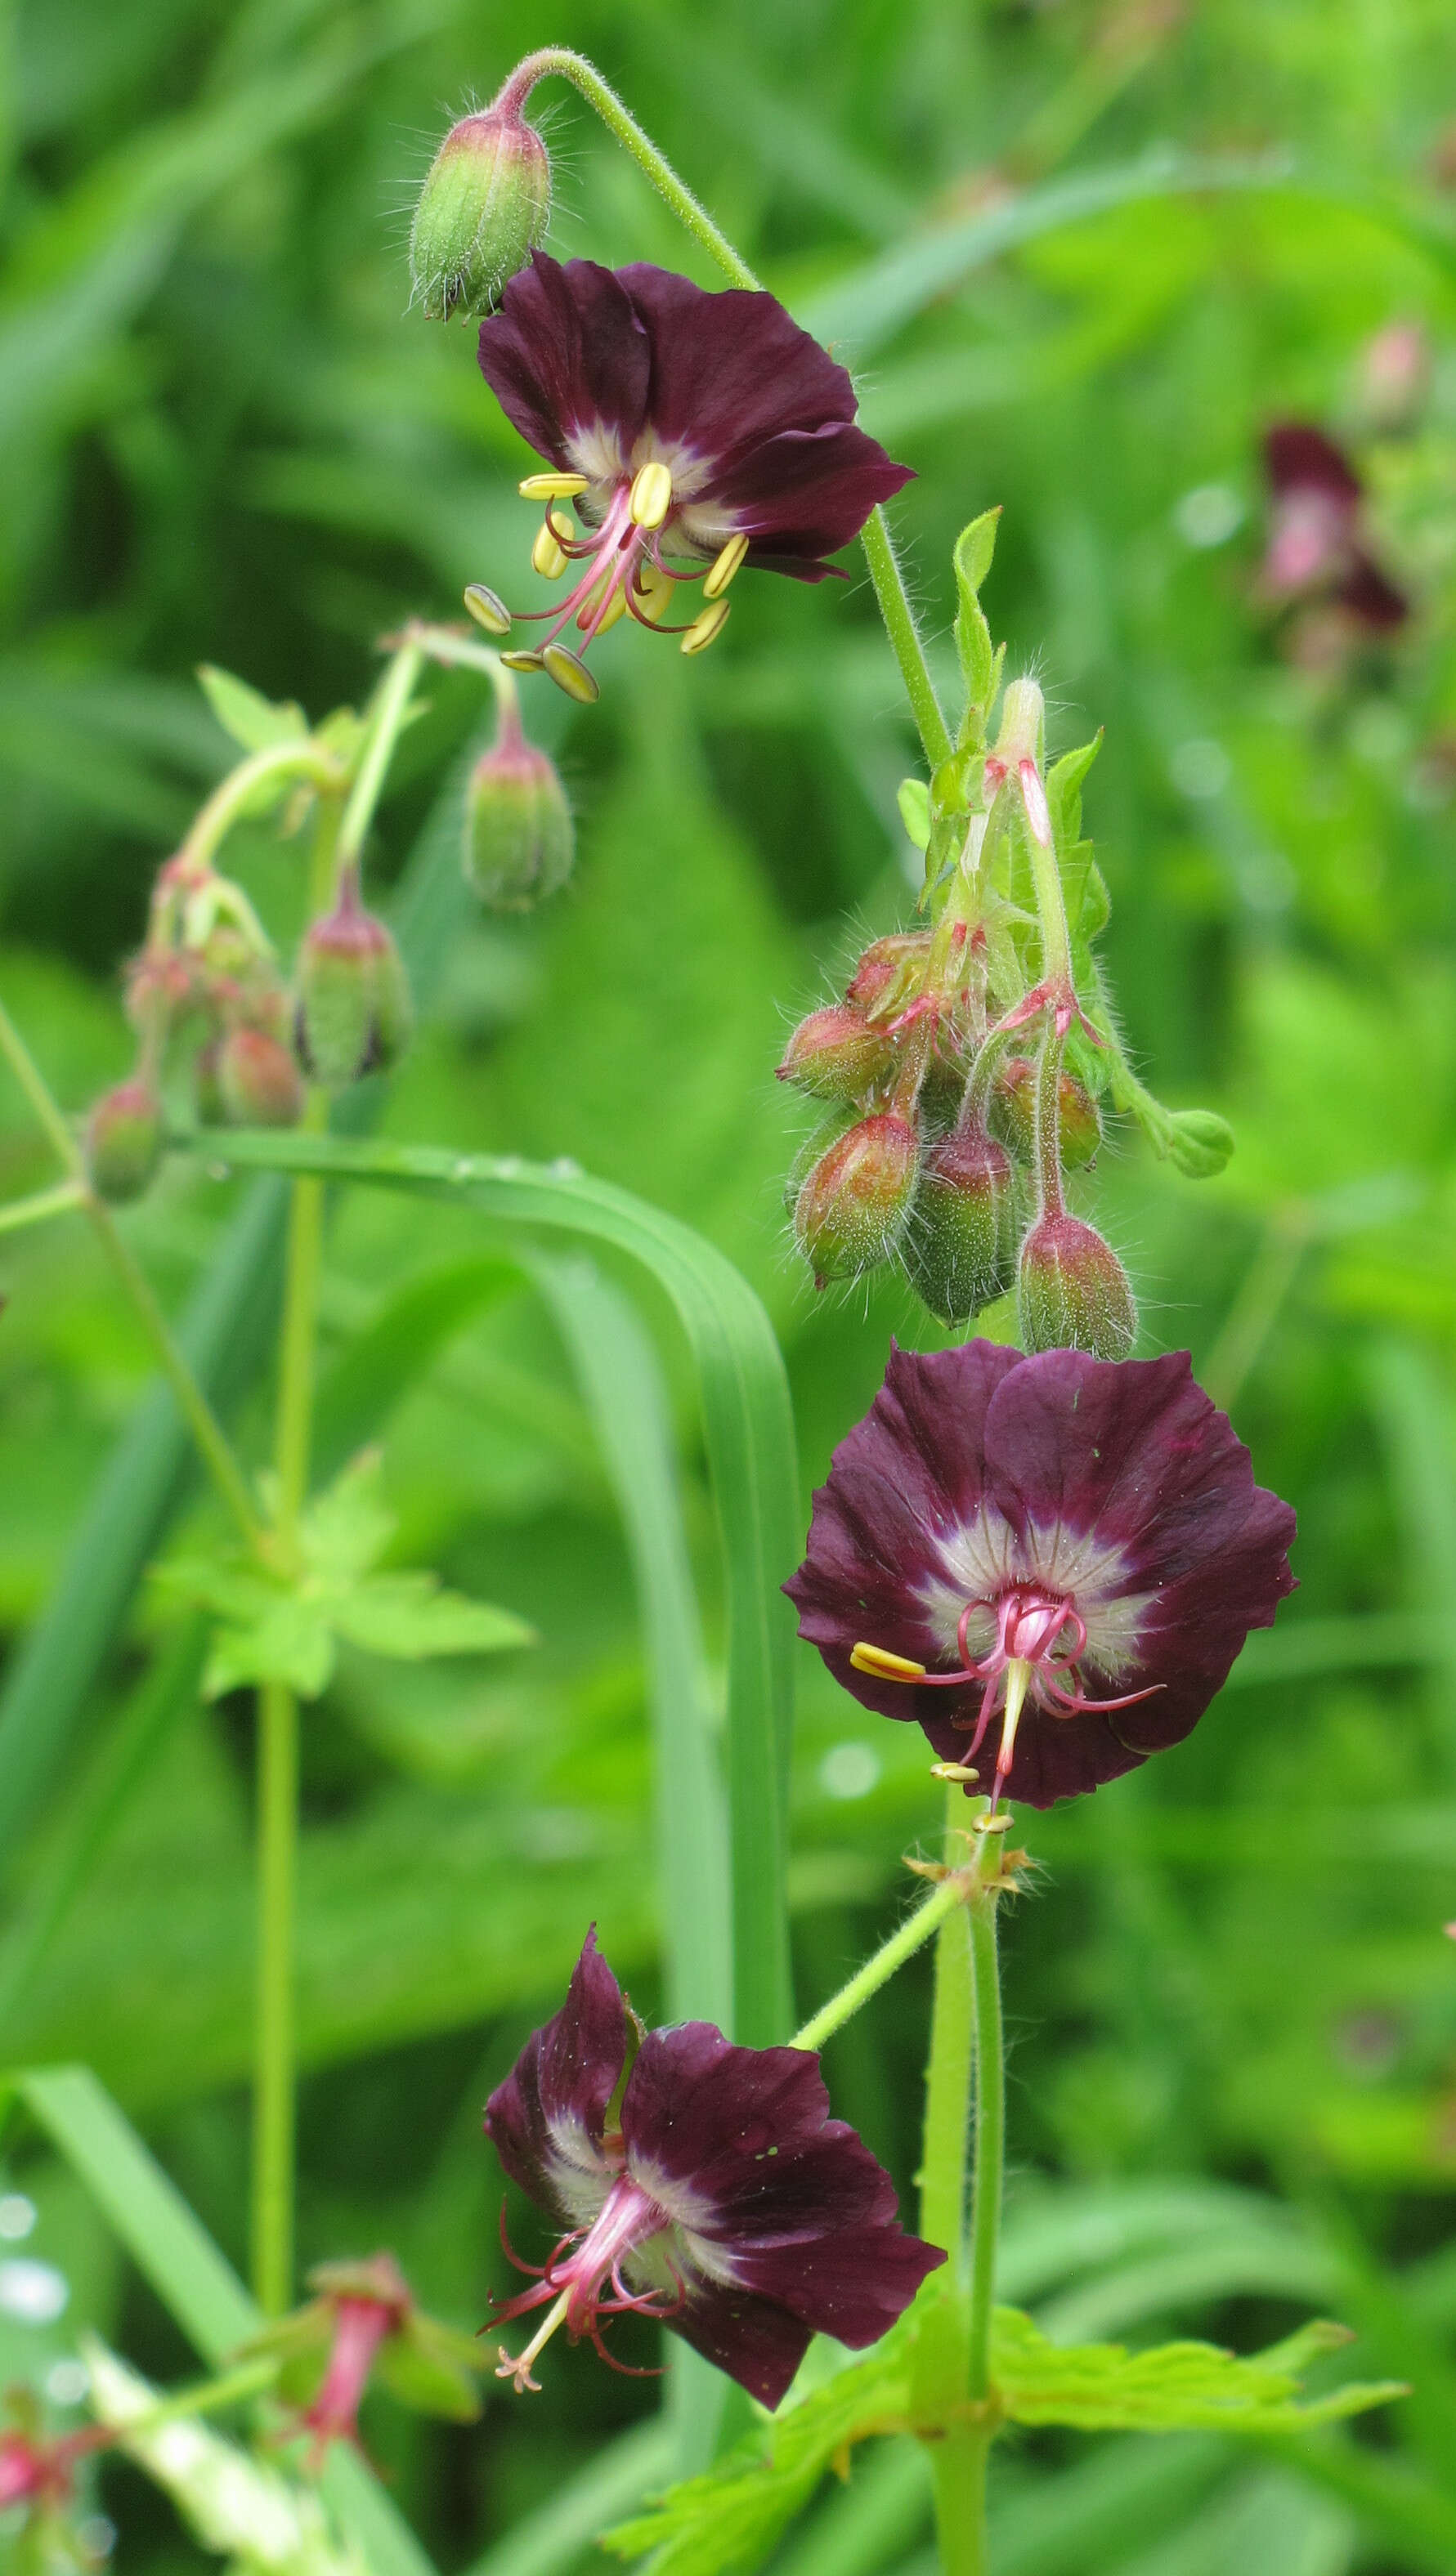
(913, 799)
(1064, 792)
(347, 1527)
(407, 1615)
(980, 666)
(432, 2370)
(246, 714)
(288, 1642)
(1176, 2387)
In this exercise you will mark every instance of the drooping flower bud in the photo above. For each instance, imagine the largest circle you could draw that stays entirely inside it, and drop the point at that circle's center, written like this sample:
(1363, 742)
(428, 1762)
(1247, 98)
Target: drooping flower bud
(1072, 1292)
(1012, 1114)
(960, 1245)
(207, 1100)
(258, 1079)
(483, 209)
(852, 1209)
(354, 1011)
(888, 966)
(520, 842)
(124, 1141)
(837, 1054)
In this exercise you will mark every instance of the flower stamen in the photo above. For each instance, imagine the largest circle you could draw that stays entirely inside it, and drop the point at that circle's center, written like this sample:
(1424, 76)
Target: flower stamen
(706, 627)
(723, 567)
(551, 487)
(517, 2366)
(651, 496)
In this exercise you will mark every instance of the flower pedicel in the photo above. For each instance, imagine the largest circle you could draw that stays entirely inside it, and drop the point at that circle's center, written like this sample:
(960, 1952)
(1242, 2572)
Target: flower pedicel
(693, 432)
(1076, 1544)
(699, 2183)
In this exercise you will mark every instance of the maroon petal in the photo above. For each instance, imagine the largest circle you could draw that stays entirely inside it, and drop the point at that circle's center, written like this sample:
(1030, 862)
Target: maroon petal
(1299, 456)
(786, 2201)
(912, 1469)
(567, 352)
(1370, 597)
(806, 493)
(732, 369)
(755, 2342)
(546, 2120)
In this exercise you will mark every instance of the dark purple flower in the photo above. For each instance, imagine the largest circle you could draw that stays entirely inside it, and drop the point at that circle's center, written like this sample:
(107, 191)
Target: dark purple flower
(694, 432)
(1315, 547)
(699, 2183)
(1079, 1543)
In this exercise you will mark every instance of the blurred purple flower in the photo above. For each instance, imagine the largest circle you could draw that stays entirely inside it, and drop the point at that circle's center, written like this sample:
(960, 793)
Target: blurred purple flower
(1315, 548)
(706, 430)
(1089, 1529)
(699, 2183)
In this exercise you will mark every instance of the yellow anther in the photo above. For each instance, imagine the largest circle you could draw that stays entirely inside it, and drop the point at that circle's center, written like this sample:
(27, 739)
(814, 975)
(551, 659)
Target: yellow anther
(552, 487)
(524, 661)
(487, 610)
(651, 495)
(703, 629)
(546, 556)
(885, 1666)
(723, 567)
(652, 591)
(953, 1771)
(562, 526)
(569, 674)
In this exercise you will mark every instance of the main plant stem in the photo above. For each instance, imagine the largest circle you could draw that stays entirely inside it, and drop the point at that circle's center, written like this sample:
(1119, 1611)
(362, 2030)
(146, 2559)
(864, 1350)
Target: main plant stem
(952, 2372)
(879, 546)
(338, 843)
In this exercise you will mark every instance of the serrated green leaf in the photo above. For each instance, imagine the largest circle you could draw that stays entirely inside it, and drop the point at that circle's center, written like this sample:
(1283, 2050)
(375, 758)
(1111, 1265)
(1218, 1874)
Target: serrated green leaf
(246, 714)
(1176, 2387)
(347, 1528)
(913, 799)
(407, 1615)
(974, 548)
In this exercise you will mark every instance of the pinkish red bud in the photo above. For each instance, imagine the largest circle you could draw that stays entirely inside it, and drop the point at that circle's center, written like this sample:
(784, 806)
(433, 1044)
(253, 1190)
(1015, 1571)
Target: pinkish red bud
(258, 1080)
(520, 843)
(1072, 1292)
(124, 1141)
(889, 967)
(960, 1246)
(1013, 1114)
(852, 1209)
(354, 1012)
(837, 1054)
(483, 209)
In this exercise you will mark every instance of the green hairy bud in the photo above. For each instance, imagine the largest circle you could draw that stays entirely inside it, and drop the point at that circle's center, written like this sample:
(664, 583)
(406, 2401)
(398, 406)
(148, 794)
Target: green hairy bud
(124, 1141)
(520, 842)
(960, 1246)
(837, 1054)
(482, 211)
(258, 1080)
(852, 1209)
(1072, 1292)
(354, 1011)
(1013, 1114)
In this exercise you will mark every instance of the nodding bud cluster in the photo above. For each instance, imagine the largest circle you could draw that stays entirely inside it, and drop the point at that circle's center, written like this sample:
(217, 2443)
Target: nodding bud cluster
(520, 842)
(941, 1165)
(354, 1013)
(482, 211)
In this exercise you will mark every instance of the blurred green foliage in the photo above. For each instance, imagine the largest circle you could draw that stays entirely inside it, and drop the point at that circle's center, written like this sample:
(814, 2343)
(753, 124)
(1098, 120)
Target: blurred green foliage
(1082, 253)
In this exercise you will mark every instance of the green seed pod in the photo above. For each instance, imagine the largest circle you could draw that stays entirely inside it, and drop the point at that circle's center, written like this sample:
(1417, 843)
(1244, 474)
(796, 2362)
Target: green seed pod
(354, 1013)
(124, 1141)
(960, 1245)
(258, 1080)
(1013, 1114)
(519, 838)
(483, 208)
(1072, 1292)
(853, 1206)
(837, 1054)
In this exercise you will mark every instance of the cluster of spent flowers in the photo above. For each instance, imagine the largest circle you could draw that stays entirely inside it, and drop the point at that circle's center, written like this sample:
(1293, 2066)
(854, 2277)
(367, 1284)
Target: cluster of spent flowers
(206, 987)
(949, 1145)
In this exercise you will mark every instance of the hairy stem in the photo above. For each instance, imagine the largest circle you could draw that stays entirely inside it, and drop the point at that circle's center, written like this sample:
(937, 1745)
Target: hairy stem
(42, 1204)
(914, 1932)
(1047, 1120)
(884, 568)
(387, 716)
(278, 761)
(952, 2370)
